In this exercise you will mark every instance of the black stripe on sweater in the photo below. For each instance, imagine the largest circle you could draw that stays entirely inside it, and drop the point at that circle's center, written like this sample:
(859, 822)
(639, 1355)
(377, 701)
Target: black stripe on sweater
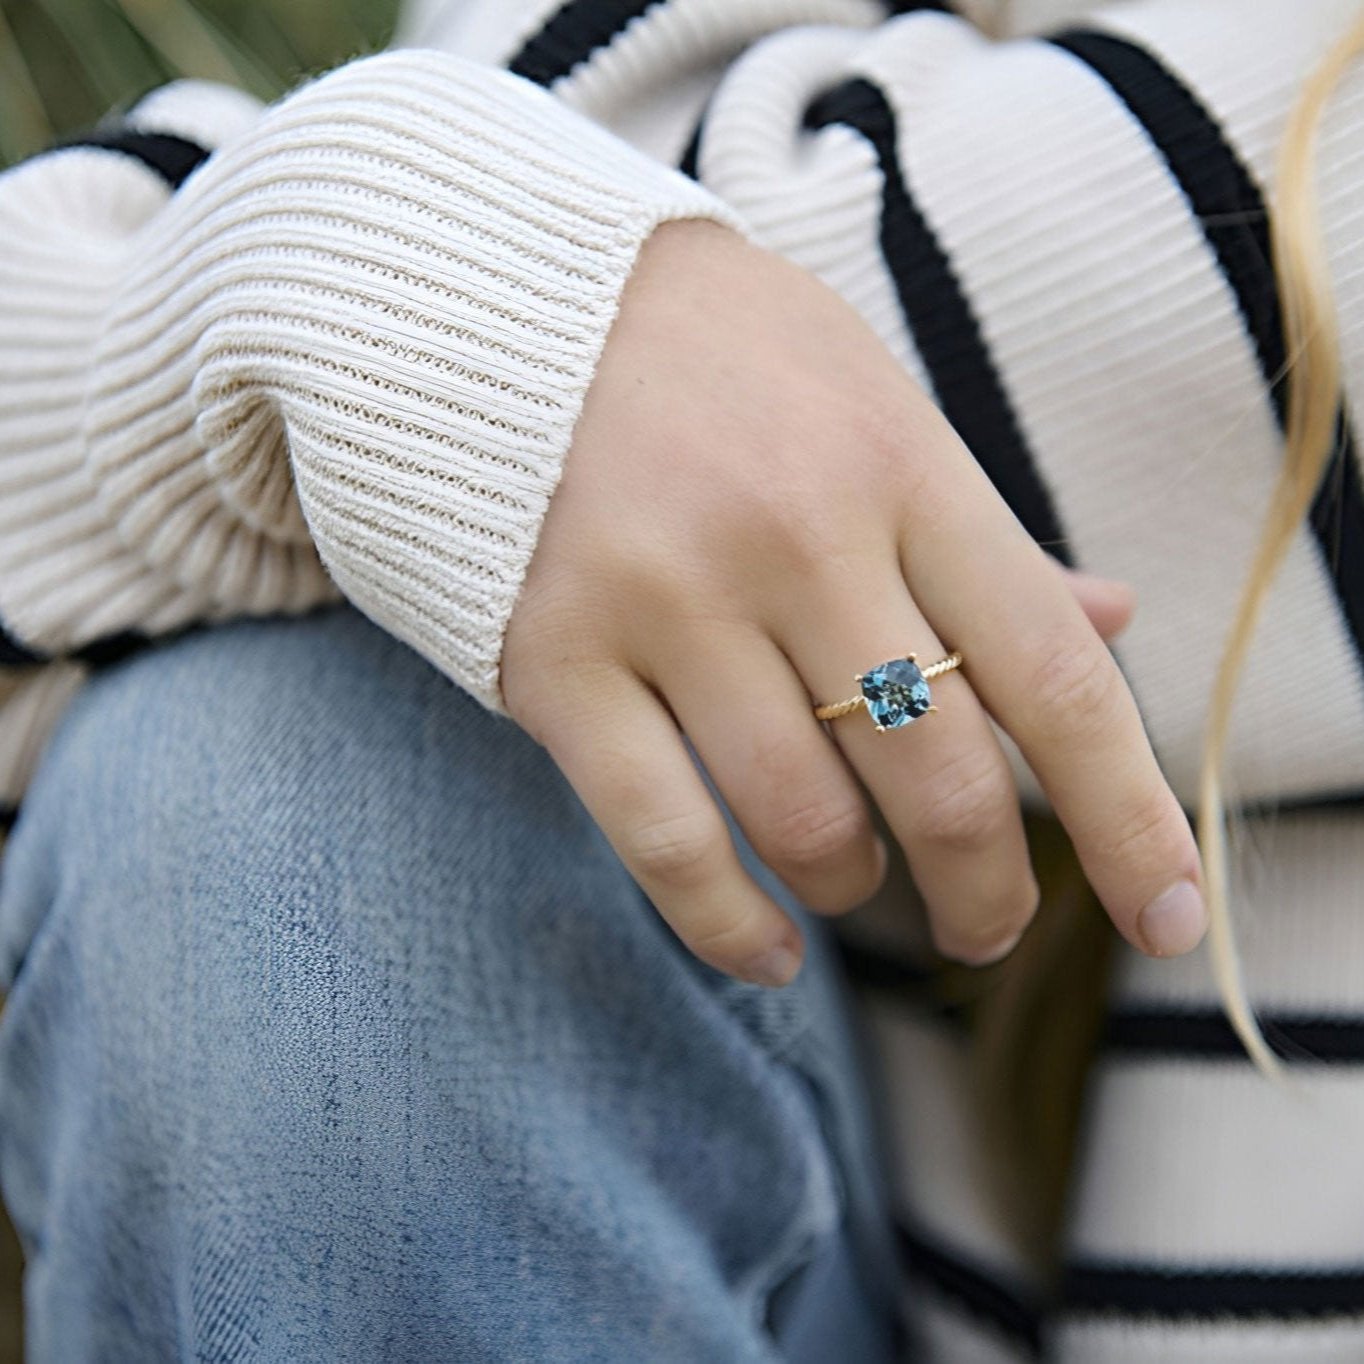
(972, 1289)
(573, 34)
(940, 319)
(104, 653)
(875, 969)
(690, 164)
(581, 28)
(1150, 1291)
(99, 653)
(911, 985)
(1332, 800)
(1205, 1034)
(174, 159)
(8, 814)
(1230, 209)
(13, 654)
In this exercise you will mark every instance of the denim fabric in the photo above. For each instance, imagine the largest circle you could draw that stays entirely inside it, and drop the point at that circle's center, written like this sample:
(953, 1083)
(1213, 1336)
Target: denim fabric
(338, 1033)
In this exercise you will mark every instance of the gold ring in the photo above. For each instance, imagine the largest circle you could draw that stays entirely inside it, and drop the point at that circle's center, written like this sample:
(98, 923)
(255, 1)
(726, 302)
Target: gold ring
(894, 693)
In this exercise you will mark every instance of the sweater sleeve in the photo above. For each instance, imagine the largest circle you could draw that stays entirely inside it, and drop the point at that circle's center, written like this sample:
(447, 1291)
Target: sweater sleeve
(345, 350)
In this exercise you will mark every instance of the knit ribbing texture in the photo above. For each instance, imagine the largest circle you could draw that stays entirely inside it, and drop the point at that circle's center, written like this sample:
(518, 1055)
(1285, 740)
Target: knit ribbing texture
(350, 353)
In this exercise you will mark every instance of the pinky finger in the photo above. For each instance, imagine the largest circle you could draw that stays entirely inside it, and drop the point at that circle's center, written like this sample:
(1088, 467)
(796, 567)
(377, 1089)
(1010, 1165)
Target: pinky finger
(621, 751)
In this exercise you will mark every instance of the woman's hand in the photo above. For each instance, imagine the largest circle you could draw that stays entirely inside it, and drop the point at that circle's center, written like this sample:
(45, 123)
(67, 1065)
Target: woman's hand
(759, 503)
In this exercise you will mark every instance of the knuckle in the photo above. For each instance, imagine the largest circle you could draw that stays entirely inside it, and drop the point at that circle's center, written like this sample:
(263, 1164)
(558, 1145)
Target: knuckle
(792, 523)
(582, 693)
(980, 944)
(900, 441)
(679, 852)
(877, 427)
(801, 539)
(723, 942)
(550, 644)
(815, 833)
(1075, 690)
(1146, 834)
(994, 934)
(968, 804)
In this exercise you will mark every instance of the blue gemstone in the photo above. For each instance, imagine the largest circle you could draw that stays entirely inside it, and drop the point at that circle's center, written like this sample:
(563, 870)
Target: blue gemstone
(896, 693)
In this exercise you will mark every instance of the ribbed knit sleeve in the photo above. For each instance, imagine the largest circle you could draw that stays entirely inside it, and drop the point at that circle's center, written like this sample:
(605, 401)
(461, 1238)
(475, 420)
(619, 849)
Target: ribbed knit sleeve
(349, 352)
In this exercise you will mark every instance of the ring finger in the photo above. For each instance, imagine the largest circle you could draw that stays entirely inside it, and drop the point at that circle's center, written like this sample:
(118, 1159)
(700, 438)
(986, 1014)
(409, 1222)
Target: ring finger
(942, 781)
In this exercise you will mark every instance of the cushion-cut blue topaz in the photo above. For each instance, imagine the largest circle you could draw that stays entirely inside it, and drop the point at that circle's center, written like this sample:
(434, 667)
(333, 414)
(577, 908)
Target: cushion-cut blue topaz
(896, 693)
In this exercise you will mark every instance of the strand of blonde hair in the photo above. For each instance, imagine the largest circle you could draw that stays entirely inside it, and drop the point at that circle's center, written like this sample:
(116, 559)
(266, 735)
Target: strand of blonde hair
(1314, 394)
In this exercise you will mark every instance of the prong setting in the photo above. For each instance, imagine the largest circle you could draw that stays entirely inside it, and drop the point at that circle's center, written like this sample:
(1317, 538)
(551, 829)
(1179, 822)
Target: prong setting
(895, 693)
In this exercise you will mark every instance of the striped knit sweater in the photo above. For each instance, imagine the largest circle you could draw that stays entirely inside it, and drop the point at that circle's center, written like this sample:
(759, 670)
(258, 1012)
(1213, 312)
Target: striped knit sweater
(253, 359)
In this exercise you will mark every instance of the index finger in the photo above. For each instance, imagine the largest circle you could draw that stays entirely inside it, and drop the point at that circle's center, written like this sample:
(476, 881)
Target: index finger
(1045, 675)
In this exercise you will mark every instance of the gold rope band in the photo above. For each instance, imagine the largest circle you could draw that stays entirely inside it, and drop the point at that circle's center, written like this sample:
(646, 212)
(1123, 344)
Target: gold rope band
(837, 709)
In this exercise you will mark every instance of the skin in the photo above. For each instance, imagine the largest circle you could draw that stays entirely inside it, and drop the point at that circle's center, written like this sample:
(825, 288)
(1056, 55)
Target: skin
(758, 504)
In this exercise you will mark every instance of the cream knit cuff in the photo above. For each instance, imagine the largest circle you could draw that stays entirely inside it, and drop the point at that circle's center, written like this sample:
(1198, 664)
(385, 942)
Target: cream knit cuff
(351, 349)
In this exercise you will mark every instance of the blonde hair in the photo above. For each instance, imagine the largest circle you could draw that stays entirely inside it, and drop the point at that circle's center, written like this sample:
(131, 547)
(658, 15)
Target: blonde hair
(1030, 1052)
(1312, 343)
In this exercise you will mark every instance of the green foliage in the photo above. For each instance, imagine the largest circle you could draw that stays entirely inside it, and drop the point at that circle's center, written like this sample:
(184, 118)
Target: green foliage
(64, 64)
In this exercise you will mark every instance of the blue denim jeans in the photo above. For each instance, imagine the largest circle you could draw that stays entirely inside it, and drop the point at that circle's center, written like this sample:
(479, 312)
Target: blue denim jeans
(337, 1032)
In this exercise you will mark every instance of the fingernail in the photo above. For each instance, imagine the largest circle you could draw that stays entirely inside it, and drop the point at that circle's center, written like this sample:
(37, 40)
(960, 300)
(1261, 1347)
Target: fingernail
(776, 968)
(999, 951)
(1174, 922)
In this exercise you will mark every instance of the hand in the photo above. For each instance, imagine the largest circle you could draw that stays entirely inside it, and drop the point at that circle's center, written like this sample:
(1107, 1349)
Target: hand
(758, 504)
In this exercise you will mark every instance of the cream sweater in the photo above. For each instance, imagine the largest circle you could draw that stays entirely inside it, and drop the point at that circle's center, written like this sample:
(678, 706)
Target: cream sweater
(253, 359)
